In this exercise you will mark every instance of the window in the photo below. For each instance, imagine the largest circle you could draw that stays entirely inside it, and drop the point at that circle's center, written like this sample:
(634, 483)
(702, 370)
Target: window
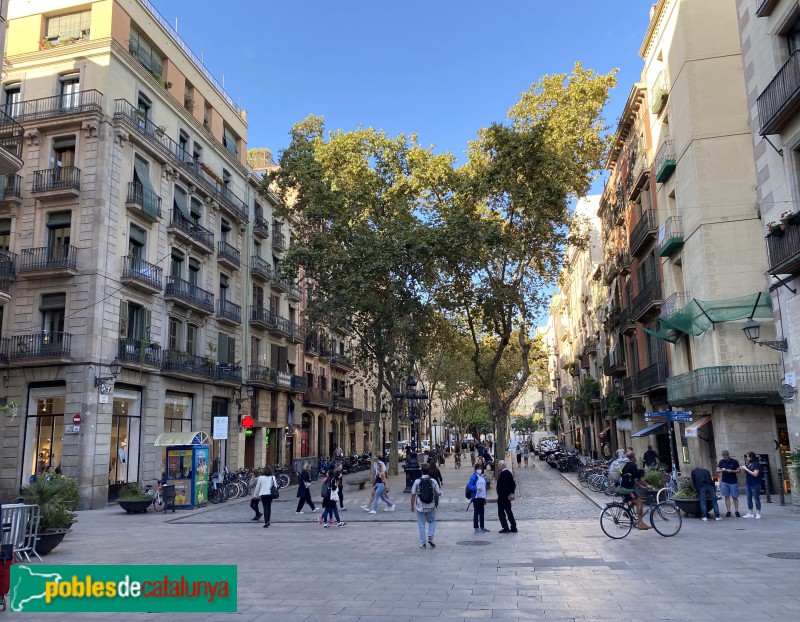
(196, 213)
(174, 336)
(273, 406)
(183, 143)
(226, 349)
(180, 209)
(68, 28)
(255, 349)
(258, 297)
(5, 235)
(274, 304)
(13, 99)
(134, 322)
(146, 54)
(207, 117)
(136, 241)
(52, 310)
(257, 249)
(278, 356)
(44, 430)
(70, 90)
(192, 334)
(224, 284)
(59, 231)
(793, 37)
(197, 152)
(226, 179)
(229, 141)
(143, 105)
(144, 187)
(194, 272)
(225, 229)
(188, 96)
(176, 265)
(63, 152)
(177, 412)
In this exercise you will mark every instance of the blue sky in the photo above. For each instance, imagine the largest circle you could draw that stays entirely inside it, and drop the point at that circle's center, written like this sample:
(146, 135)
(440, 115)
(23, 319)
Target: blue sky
(441, 68)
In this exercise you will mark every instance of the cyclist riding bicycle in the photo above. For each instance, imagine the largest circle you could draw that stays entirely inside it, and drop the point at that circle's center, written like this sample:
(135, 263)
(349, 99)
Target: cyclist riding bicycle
(631, 476)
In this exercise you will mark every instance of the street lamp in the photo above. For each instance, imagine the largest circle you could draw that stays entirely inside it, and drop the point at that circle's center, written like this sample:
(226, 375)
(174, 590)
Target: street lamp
(411, 406)
(115, 367)
(752, 330)
(435, 421)
(241, 400)
(384, 418)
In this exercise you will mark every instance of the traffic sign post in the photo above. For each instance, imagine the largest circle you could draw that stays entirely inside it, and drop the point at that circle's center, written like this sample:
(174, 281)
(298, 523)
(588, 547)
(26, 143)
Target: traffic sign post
(669, 417)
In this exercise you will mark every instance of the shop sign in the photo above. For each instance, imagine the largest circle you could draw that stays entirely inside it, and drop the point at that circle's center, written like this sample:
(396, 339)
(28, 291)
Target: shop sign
(220, 429)
(284, 380)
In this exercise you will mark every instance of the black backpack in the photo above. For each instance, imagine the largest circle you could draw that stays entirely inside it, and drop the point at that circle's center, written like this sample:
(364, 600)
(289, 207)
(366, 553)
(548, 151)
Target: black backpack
(426, 490)
(326, 489)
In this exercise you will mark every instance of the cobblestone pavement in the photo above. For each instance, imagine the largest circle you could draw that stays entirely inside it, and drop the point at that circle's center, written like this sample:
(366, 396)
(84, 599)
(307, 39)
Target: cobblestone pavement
(559, 566)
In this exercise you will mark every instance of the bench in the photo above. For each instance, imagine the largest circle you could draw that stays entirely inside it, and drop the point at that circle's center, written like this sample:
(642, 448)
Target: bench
(359, 483)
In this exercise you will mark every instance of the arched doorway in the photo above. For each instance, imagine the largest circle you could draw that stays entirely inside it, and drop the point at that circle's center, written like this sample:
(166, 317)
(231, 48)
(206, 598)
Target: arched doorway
(321, 437)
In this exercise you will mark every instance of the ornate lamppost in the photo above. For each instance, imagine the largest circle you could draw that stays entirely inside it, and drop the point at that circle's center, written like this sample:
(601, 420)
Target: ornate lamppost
(411, 405)
(384, 419)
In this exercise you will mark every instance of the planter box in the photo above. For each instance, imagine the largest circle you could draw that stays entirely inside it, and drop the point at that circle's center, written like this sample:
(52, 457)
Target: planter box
(48, 540)
(691, 507)
(135, 507)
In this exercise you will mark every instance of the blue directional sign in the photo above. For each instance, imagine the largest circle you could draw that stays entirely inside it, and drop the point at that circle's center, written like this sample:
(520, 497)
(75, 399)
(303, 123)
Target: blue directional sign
(684, 416)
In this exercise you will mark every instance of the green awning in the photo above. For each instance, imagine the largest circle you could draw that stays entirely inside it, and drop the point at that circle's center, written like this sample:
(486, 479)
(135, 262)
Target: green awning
(181, 438)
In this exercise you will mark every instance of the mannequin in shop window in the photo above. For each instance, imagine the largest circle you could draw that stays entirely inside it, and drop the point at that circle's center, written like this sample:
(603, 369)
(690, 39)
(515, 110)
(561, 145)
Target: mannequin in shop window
(122, 463)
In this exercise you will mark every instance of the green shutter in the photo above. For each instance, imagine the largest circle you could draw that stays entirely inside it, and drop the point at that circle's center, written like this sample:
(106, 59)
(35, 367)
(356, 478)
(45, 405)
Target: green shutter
(149, 196)
(222, 347)
(123, 319)
(180, 203)
(138, 235)
(231, 350)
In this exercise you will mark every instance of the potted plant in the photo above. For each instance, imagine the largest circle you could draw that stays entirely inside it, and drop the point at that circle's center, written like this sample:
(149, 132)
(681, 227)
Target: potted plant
(57, 497)
(774, 228)
(786, 219)
(133, 500)
(686, 498)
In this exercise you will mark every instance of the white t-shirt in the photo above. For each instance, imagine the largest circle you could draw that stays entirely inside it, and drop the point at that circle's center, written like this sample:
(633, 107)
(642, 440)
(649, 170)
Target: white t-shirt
(418, 505)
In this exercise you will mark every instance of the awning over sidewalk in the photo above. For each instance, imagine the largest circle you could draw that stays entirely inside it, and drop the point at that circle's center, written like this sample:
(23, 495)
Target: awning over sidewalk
(651, 429)
(691, 430)
(181, 438)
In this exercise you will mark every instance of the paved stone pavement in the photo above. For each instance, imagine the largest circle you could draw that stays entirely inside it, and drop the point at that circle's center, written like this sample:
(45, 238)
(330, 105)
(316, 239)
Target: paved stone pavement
(559, 567)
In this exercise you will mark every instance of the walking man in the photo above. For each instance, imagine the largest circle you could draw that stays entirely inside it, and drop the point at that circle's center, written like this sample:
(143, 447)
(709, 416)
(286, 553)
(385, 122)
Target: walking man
(506, 486)
(728, 468)
(424, 493)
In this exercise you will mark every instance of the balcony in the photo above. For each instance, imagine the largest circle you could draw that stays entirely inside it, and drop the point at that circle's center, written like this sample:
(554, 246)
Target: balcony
(138, 353)
(295, 294)
(280, 285)
(36, 346)
(259, 317)
(8, 268)
(278, 239)
(311, 344)
(627, 323)
(229, 312)
(137, 272)
(298, 333)
(639, 174)
(675, 302)
(780, 101)
(644, 231)
(726, 383)
(260, 228)
(317, 397)
(629, 387)
(652, 378)
(57, 106)
(262, 376)
(191, 232)
(659, 94)
(228, 373)
(624, 262)
(49, 261)
(260, 269)
(765, 7)
(12, 189)
(342, 403)
(184, 365)
(228, 254)
(189, 295)
(670, 237)
(647, 300)
(299, 384)
(665, 162)
(341, 361)
(610, 270)
(143, 202)
(783, 251)
(614, 362)
(11, 136)
(232, 204)
(61, 182)
(613, 317)
(590, 346)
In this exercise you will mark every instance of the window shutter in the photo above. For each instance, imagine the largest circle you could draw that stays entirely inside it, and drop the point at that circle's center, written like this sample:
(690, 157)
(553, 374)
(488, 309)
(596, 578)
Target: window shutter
(123, 319)
(274, 359)
(148, 319)
(282, 353)
(180, 203)
(222, 347)
(231, 350)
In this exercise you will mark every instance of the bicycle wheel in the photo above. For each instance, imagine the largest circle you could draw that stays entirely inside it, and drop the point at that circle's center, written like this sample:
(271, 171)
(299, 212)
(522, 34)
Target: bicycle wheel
(663, 495)
(158, 503)
(666, 519)
(214, 495)
(616, 521)
(609, 487)
(593, 482)
(283, 480)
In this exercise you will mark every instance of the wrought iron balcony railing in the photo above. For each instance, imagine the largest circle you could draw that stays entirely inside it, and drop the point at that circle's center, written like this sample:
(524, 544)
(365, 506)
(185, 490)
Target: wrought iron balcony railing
(143, 198)
(675, 302)
(188, 364)
(278, 239)
(659, 93)
(341, 402)
(665, 162)
(342, 360)
(260, 268)
(11, 135)
(652, 377)
(141, 270)
(228, 372)
(12, 187)
(783, 251)
(228, 253)
(262, 374)
(261, 227)
(229, 311)
(56, 105)
(670, 237)
(189, 293)
(320, 397)
(649, 296)
(36, 345)
(646, 228)
(614, 361)
(726, 383)
(140, 352)
(192, 230)
(58, 257)
(57, 178)
(780, 100)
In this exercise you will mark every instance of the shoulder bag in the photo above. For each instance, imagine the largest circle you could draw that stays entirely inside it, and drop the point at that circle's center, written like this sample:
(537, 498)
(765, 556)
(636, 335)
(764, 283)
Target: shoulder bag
(274, 489)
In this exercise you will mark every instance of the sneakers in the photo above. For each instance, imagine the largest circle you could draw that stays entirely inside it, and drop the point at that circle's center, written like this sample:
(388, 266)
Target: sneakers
(326, 525)
(371, 512)
(342, 524)
(430, 541)
(513, 530)
(737, 515)
(504, 531)
(758, 515)
(728, 515)
(319, 520)
(484, 530)
(718, 518)
(704, 519)
(300, 512)
(314, 510)
(748, 515)
(390, 508)
(422, 546)
(477, 530)
(365, 508)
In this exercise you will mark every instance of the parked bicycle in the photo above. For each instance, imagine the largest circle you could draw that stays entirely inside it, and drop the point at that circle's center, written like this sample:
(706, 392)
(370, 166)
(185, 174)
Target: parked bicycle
(158, 495)
(619, 517)
(667, 493)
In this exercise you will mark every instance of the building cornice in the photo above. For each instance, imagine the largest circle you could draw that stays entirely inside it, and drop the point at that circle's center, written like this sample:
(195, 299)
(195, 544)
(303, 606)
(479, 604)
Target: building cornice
(655, 21)
(626, 122)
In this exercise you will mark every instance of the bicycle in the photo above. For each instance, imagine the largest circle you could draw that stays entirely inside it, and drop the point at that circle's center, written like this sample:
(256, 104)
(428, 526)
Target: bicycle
(281, 476)
(158, 496)
(618, 518)
(667, 493)
(217, 490)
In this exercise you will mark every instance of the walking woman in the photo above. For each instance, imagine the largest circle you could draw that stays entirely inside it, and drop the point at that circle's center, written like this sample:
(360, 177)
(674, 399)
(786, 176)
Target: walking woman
(526, 453)
(380, 491)
(754, 476)
(304, 490)
(330, 495)
(477, 484)
(338, 478)
(263, 489)
(255, 500)
(519, 452)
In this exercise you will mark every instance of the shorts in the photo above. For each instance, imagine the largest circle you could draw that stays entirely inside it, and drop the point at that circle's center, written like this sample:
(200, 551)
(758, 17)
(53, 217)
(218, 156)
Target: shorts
(729, 490)
(631, 496)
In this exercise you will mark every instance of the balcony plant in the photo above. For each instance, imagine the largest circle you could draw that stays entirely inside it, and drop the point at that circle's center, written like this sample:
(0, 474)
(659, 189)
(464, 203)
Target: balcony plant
(774, 228)
(788, 218)
(57, 498)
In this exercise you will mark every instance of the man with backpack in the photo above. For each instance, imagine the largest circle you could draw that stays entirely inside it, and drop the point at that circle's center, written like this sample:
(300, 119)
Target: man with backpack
(424, 492)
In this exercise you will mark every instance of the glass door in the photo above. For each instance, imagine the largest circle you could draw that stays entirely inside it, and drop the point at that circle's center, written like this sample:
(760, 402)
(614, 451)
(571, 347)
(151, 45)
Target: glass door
(44, 433)
(123, 460)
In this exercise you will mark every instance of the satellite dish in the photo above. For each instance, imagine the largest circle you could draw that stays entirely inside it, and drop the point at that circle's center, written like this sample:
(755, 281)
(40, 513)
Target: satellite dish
(787, 392)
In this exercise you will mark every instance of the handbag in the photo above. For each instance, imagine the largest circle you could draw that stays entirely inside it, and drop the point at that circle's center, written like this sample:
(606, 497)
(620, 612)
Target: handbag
(274, 490)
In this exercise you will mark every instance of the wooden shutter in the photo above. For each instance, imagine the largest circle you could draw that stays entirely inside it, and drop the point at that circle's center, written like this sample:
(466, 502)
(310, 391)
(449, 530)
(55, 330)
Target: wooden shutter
(123, 319)
(274, 358)
(282, 354)
(222, 347)
(148, 323)
(231, 350)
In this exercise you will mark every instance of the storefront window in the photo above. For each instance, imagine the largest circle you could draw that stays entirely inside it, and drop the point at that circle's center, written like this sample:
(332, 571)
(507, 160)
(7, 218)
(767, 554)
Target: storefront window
(177, 416)
(44, 433)
(123, 463)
